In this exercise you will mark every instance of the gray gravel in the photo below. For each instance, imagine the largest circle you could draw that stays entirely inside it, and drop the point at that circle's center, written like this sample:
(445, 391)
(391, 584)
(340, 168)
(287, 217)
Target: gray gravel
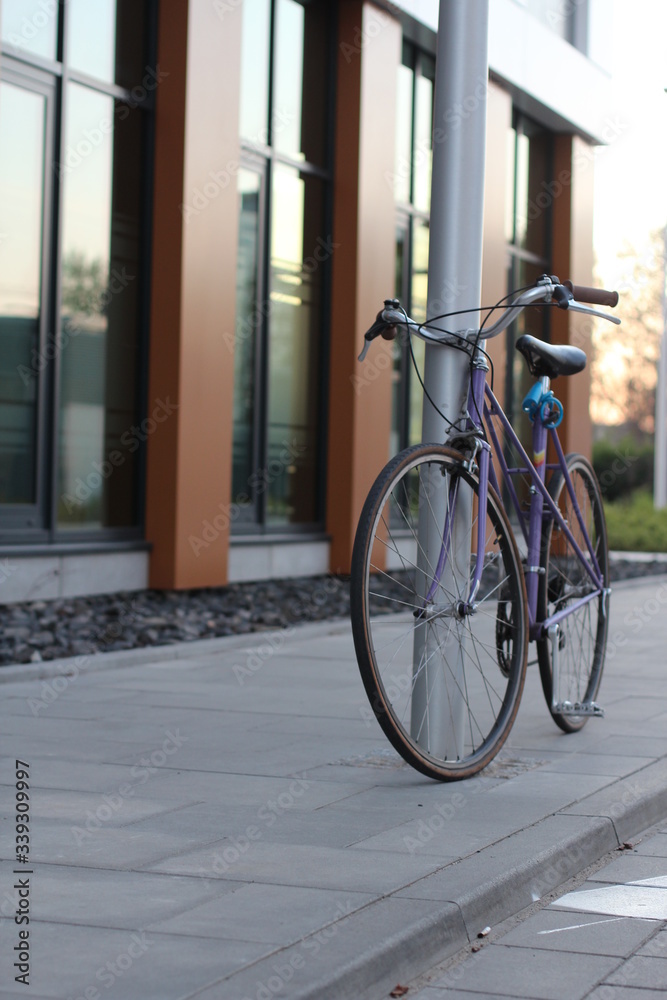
(46, 630)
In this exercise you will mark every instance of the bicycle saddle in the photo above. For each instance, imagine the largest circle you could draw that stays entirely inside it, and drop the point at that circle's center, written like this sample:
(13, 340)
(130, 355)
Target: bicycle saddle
(550, 360)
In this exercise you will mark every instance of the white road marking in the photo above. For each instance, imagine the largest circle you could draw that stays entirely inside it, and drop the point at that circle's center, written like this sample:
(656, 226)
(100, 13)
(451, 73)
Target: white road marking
(576, 927)
(646, 898)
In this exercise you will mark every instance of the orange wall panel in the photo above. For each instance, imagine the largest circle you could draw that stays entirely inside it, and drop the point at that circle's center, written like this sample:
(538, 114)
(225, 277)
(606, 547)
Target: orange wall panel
(193, 292)
(369, 53)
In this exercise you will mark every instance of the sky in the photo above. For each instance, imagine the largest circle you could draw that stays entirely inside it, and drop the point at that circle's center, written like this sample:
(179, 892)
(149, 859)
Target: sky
(631, 174)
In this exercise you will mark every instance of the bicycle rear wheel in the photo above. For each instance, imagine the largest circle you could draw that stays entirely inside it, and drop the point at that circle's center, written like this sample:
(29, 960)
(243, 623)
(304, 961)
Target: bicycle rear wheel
(444, 684)
(583, 634)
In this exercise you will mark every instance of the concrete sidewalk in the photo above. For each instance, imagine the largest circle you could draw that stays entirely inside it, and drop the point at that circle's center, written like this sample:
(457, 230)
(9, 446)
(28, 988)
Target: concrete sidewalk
(223, 820)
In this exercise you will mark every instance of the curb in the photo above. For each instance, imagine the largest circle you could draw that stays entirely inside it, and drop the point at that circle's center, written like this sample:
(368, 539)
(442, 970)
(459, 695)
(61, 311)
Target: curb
(92, 662)
(447, 914)
(170, 652)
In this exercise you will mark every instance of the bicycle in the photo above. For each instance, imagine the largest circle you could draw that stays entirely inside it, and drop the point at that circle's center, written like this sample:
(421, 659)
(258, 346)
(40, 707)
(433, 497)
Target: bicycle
(443, 602)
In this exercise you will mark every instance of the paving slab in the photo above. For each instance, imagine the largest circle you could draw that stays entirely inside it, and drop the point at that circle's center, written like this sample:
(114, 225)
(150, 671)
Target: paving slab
(280, 844)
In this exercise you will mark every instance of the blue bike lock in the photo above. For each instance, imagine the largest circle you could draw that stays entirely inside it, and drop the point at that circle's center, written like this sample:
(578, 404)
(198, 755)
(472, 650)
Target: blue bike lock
(532, 400)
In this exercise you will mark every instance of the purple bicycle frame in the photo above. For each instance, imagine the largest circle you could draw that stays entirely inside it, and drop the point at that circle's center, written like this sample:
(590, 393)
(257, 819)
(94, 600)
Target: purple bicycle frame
(481, 400)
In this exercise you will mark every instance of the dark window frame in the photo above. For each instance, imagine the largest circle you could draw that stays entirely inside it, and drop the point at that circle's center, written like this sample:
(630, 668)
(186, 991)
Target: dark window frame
(262, 159)
(516, 256)
(407, 213)
(17, 522)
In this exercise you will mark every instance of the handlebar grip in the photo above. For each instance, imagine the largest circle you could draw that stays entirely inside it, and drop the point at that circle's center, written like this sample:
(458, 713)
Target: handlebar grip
(594, 296)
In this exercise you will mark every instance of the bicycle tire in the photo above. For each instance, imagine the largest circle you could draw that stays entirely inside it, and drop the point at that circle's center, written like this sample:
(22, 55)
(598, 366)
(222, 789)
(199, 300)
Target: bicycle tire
(583, 637)
(488, 650)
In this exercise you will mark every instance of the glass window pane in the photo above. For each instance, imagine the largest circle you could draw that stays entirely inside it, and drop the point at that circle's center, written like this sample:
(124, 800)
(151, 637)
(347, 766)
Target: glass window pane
(554, 14)
(400, 353)
(248, 322)
(99, 433)
(22, 117)
(299, 119)
(419, 284)
(403, 154)
(533, 198)
(255, 70)
(31, 25)
(298, 257)
(420, 239)
(509, 193)
(105, 40)
(423, 151)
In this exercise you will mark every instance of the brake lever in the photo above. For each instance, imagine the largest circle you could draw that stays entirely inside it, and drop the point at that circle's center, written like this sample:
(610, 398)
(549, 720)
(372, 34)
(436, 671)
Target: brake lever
(575, 306)
(382, 324)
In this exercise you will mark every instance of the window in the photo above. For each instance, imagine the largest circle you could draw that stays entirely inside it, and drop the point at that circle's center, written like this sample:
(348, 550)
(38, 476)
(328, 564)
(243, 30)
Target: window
(75, 96)
(284, 190)
(528, 234)
(412, 191)
(557, 15)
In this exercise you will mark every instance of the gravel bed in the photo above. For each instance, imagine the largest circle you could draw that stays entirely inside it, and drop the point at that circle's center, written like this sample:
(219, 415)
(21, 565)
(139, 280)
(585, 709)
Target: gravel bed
(45, 630)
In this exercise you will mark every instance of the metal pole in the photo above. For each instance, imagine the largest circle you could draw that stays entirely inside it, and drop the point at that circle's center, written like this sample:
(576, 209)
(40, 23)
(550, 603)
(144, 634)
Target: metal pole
(454, 282)
(660, 438)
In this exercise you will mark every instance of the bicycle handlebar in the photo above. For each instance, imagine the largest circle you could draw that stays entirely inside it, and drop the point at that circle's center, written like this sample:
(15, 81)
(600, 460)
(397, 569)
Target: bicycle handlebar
(595, 296)
(547, 290)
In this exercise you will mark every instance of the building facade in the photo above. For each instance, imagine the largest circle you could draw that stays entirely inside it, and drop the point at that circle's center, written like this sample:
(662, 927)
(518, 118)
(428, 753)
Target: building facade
(203, 204)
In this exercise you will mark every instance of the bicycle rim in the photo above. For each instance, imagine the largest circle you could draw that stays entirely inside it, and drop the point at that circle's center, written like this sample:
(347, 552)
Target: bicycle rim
(583, 634)
(445, 686)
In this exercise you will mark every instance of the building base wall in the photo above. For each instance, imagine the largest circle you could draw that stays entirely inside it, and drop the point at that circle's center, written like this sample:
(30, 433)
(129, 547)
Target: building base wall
(48, 577)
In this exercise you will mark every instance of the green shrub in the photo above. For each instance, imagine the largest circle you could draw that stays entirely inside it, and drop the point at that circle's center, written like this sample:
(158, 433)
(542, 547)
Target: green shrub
(623, 468)
(633, 524)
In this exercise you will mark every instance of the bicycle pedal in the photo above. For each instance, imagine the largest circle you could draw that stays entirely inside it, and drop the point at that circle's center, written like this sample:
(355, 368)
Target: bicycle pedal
(578, 708)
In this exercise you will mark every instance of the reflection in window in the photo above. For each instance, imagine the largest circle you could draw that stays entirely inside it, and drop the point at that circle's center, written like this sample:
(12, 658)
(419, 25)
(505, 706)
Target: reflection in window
(21, 206)
(299, 118)
(423, 150)
(528, 225)
(296, 283)
(70, 167)
(31, 25)
(105, 41)
(403, 151)
(98, 439)
(245, 343)
(283, 213)
(254, 113)
(412, 191)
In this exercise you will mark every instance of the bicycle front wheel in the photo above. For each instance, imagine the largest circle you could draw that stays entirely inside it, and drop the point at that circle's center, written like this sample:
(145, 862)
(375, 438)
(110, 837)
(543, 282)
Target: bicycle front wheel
(443, 675)
(583, 633)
